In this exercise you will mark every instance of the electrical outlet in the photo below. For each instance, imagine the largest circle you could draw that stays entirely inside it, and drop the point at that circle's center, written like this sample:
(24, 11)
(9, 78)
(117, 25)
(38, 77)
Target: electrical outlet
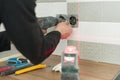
(72, 18)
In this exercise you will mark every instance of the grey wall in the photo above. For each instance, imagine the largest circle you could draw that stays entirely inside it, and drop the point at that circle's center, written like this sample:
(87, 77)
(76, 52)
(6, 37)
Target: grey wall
(97, 51)
(72, 8)
(100, 11)
(96, 11)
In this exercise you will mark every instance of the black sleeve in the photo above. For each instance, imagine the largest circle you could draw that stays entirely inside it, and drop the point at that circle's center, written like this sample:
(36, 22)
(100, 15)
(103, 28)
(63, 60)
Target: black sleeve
(24, 31)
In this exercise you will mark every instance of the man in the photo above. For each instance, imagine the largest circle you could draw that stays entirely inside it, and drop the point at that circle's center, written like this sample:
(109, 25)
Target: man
(21, 25)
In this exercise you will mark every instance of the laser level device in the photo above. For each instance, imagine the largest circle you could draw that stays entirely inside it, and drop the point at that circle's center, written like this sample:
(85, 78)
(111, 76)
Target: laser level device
(69, 59)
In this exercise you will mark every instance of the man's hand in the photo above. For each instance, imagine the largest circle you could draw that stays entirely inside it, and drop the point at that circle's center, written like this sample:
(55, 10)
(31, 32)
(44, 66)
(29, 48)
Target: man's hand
(64, 28)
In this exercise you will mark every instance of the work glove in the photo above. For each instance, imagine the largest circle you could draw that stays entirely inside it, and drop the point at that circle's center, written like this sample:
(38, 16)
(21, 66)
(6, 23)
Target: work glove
(57, 68)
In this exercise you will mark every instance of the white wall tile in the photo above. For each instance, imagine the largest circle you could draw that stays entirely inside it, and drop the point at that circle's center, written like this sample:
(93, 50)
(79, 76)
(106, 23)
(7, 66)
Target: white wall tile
(51, 9)
(100, 32)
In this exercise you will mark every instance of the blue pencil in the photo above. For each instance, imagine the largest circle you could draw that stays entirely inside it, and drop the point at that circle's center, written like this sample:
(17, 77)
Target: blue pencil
(15, 69)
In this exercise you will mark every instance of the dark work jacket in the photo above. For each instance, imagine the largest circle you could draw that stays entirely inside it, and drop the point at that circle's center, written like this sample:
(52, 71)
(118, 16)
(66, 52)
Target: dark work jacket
(21, 25)
(4, 42)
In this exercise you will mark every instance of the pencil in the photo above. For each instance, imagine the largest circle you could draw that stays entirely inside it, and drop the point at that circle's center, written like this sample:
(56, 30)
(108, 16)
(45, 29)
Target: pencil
(30, 68)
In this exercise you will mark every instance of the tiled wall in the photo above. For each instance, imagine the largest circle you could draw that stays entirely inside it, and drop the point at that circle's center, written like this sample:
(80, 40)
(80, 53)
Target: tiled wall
(97, 37)
(97, 51)
(72, 8)
(100, 11)
(96, 11)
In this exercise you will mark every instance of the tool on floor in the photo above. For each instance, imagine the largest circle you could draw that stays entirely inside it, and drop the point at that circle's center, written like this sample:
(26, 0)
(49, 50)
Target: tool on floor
(16, 61)
(39, 66)
(57, 68)
(3, 66)
(6, 68)
(12, 63)
(70, 69)
(18, 67)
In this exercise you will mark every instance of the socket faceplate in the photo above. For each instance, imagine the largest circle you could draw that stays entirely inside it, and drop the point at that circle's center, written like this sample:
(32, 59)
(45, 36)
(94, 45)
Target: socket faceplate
(72, 18)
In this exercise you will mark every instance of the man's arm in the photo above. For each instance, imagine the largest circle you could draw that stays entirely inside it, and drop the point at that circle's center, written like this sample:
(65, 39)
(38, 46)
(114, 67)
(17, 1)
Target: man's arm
(24, 31)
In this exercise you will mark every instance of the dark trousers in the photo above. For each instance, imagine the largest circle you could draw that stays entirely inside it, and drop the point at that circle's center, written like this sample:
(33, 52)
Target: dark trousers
(4, 42)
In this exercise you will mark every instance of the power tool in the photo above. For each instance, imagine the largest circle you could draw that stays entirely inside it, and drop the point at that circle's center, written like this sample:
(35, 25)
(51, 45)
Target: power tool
(47, 22)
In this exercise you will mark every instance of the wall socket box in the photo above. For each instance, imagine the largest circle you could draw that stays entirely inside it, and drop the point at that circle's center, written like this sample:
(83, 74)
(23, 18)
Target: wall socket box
(72, 18)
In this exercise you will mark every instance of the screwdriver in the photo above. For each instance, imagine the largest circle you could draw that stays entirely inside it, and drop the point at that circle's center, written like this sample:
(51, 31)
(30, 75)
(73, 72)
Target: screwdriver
(6, 68)
(24, 65)
(39, 66)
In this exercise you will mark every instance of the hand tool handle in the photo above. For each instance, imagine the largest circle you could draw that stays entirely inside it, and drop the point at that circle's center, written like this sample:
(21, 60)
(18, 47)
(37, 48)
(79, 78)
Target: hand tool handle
(30, 68)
